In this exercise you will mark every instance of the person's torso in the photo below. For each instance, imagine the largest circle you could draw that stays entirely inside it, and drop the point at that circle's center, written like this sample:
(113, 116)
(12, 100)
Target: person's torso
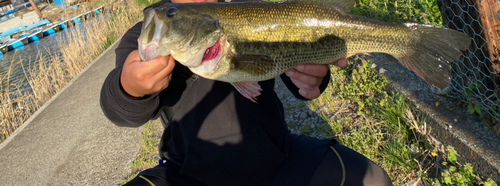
(218, 136)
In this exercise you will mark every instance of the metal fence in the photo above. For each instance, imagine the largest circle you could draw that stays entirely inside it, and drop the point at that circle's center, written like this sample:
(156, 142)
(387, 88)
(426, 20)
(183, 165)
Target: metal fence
(476, 79)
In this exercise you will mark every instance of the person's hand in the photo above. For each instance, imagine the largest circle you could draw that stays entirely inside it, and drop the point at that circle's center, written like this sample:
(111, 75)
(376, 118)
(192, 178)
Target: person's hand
(308, 77)
(140, 78)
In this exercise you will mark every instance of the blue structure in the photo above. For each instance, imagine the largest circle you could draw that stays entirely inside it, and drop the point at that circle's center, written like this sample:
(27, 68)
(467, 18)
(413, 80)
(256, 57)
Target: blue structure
(33, 38)
(60, 3)
(96, 13)
(12, 31)
(48, 32)
(62, 26)
(41, 23)
(10, 12)
(40, 34)
(35, 32)
(1, 55)
(24, 41)
(4, 18)
(76, 20)
(15, 45)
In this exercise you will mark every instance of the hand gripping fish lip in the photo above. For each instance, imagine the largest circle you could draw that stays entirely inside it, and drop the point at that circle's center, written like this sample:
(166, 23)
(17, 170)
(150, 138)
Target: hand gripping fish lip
(147, 50)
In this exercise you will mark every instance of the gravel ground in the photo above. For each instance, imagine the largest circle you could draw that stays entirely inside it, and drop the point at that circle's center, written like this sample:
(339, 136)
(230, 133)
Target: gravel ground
(297, 113)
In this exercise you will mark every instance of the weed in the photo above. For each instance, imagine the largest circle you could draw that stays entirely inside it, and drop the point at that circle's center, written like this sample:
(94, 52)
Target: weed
(368, 119)
(301, 104)
(306, 128)
(452, 173)
(110, 39)
(397, 11)
(150, 139)
(363, 116)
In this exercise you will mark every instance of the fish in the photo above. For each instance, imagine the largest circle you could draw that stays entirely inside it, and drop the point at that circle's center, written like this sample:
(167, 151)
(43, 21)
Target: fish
(242, 43)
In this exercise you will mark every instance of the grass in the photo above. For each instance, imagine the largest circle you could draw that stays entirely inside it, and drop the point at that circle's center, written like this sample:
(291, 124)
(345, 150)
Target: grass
(148, 154)
(19, 102)
(397, 11)
(384, 128)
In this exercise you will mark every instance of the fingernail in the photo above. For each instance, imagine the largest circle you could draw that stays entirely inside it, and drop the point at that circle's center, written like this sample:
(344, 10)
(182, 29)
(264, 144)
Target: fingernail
(300, 67)
(289, 73)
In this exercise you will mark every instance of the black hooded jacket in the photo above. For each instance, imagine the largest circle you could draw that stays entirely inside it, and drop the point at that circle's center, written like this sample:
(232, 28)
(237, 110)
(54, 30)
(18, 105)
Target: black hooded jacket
(210, 129)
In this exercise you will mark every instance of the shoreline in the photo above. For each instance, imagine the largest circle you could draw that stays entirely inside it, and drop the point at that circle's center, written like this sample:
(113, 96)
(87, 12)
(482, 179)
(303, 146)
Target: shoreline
(47, 80)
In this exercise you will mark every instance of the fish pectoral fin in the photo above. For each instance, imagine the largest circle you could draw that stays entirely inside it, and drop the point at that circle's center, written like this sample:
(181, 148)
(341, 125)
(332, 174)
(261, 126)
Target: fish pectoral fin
(252, 64)
(249, 89)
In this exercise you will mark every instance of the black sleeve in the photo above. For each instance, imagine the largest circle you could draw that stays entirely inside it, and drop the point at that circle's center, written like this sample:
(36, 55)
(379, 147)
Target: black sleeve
(120, 108)
(295, 90)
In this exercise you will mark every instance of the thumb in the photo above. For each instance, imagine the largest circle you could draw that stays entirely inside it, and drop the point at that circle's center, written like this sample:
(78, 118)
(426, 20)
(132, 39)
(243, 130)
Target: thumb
(341, 63)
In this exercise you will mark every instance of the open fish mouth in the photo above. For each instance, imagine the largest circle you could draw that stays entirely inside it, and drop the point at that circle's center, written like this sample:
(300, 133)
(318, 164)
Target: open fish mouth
(212, 52)
(211, 57)
(148, 49)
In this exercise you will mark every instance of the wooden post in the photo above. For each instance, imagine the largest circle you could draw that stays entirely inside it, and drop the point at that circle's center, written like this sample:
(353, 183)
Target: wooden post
(37, 10)
(490, 20)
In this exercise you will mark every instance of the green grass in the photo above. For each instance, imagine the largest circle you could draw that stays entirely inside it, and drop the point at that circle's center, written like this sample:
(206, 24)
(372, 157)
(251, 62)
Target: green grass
(362, 115)
(147, 157)
(375, 124)
(397, 11)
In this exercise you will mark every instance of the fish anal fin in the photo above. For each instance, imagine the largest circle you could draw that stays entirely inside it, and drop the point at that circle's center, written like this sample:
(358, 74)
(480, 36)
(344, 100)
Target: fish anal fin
(249, 89)
(252, 64)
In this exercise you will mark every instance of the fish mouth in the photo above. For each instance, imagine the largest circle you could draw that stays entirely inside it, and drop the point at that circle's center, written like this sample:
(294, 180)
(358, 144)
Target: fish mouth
(147, 51)
(212, 52)
(148, 47)
(211, 57)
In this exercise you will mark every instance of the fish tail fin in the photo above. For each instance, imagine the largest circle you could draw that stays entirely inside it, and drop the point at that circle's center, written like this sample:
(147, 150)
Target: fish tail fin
(429, 57)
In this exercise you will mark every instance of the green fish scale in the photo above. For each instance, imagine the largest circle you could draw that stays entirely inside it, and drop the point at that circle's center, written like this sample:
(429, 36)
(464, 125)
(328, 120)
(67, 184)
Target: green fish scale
(291, 34)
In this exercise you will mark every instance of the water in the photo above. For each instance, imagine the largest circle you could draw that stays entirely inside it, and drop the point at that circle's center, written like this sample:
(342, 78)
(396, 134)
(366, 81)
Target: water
(15, 64)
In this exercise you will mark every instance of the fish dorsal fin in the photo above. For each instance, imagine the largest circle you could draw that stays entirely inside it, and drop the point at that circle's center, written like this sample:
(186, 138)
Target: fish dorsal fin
(346, 5)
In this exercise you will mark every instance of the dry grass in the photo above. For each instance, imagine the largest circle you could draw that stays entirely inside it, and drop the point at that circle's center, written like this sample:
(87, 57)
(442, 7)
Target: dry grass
(18, 103)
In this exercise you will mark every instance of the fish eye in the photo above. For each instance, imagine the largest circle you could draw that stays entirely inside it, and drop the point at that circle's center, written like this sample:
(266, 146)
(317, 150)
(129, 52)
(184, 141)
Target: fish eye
(171, 12)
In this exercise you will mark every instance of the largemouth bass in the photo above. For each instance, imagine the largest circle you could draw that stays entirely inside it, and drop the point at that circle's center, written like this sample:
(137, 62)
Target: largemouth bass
(243, 43)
